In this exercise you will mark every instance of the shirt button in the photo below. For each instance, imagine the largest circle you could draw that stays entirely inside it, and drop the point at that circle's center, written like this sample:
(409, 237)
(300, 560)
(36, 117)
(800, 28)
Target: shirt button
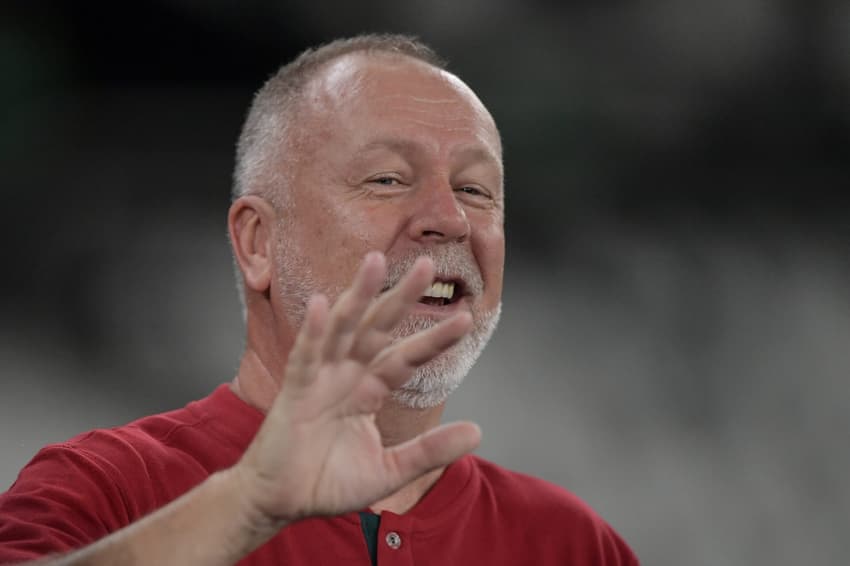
(393, 540)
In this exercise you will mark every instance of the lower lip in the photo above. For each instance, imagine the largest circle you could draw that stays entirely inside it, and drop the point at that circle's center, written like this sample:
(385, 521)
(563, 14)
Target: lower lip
(443, 311)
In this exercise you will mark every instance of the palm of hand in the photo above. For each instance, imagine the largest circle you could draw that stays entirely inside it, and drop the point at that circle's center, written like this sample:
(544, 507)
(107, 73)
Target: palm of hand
(319, 451)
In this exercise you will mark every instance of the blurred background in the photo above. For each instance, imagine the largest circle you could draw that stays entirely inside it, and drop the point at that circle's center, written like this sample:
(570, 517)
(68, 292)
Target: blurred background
(674, 346)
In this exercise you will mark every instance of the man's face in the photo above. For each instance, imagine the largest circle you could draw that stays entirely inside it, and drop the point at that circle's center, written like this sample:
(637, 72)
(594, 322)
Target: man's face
(396, 156)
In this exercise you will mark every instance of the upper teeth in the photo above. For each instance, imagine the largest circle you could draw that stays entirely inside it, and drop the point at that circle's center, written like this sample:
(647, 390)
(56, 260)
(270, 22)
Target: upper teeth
(440, 290)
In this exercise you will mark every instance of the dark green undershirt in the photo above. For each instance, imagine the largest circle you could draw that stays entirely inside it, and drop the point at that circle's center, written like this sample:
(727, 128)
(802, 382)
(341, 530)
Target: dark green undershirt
(370, 523)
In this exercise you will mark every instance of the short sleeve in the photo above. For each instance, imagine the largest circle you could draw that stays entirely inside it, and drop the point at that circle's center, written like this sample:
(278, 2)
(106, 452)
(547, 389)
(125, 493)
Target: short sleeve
(62, 500)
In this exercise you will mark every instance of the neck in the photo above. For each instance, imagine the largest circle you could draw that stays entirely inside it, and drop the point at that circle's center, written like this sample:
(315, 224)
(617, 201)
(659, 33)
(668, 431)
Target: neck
(254, 383)
(398, 424)
(264, 361)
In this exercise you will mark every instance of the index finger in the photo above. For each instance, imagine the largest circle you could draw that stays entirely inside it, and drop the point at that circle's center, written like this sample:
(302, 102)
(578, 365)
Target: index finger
(373, 332)
(346, 314)
(390, 307)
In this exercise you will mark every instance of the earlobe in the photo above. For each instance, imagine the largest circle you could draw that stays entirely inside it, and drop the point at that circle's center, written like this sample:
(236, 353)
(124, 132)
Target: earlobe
(249, 222)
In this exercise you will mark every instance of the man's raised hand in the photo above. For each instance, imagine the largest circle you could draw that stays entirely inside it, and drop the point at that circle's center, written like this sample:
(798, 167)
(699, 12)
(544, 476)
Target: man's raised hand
(319, 451)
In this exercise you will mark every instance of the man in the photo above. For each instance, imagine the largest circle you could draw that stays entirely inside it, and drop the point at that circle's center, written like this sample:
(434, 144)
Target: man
(367, 228)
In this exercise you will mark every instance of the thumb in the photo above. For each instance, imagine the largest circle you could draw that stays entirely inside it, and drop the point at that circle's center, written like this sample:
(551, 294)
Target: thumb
(436, 448)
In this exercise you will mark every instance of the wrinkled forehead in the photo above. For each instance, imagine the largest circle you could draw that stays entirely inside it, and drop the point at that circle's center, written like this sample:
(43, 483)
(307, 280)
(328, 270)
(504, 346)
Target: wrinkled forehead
(382, 83)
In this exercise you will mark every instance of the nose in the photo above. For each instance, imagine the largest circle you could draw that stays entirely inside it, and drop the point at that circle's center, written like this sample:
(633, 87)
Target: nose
(438, 217)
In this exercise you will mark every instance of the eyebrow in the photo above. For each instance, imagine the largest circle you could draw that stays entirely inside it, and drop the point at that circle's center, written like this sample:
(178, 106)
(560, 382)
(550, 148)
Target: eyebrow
(398, 145)
(405, 146)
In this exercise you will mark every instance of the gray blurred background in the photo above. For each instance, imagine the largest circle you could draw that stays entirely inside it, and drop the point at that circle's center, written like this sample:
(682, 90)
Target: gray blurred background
(674, 346)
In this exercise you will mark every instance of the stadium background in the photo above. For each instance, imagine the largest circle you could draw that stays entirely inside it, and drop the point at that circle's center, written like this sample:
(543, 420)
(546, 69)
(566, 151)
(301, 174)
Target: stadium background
(674, 345)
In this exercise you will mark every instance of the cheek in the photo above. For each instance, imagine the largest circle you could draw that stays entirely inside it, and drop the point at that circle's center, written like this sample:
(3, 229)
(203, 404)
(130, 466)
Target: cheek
(334, 229)
(489, 248)
(352, 230)
(343, 233)
(376, 225)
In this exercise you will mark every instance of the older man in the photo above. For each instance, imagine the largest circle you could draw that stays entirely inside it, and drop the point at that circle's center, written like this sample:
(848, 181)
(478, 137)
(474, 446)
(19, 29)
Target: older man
(367, 227)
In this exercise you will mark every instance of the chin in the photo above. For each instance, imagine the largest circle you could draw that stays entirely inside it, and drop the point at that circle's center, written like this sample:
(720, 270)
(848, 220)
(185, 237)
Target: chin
(433, 382)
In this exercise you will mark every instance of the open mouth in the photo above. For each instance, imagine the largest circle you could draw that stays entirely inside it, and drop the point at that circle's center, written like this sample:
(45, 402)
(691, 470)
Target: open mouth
(442, 293)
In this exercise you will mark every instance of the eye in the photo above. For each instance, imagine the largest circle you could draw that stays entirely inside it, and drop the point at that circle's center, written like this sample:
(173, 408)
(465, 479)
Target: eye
(472, 191)
(385, 180)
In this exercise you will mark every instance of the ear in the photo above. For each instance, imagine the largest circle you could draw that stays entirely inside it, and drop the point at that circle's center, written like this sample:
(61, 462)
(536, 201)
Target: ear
(250, 222)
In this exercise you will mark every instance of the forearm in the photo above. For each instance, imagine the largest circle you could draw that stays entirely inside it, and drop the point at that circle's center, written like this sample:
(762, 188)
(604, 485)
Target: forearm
(209, 525)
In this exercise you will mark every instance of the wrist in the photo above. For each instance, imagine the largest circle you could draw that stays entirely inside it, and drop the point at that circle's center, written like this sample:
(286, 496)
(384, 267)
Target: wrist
(253, 525)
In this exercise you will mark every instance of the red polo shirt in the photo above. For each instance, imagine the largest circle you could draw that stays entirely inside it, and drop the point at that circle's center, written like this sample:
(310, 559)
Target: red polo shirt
(74, 493)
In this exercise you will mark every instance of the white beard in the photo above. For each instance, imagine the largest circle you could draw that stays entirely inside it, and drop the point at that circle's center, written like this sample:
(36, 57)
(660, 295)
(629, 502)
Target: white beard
(432, 382)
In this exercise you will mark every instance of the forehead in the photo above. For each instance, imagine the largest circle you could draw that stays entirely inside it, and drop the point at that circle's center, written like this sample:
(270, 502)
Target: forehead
(379, 94)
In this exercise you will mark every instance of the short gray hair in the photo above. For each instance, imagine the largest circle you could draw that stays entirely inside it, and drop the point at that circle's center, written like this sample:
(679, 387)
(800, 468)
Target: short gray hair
(264, 139)
(266, 126)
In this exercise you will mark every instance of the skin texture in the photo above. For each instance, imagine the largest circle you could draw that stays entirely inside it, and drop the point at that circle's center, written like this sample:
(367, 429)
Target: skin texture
(395, 157)
(350, 193)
